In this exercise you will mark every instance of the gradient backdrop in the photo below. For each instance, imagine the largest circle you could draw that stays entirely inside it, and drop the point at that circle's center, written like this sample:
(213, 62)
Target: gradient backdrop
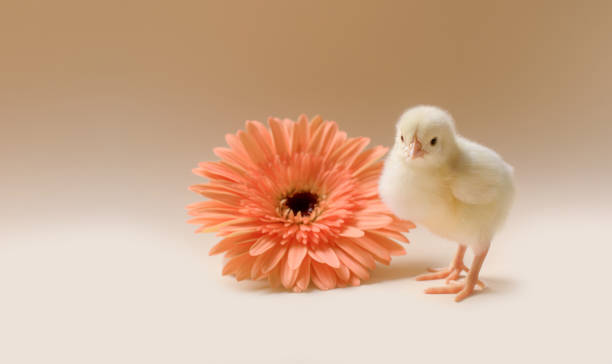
(105, 106)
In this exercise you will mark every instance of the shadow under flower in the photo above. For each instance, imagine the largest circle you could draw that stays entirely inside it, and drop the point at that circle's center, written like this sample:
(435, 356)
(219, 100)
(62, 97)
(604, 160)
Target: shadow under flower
(405, 269)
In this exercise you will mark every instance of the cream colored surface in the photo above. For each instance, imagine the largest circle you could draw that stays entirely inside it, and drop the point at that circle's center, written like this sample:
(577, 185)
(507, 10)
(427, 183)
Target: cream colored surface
(105, 107)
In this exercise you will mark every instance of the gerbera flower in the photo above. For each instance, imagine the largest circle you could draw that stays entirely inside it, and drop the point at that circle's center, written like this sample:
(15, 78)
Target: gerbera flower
(297, 203)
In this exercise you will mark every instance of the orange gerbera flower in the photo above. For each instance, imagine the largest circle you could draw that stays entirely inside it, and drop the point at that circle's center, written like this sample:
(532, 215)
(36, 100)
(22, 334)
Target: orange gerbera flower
(297, 203)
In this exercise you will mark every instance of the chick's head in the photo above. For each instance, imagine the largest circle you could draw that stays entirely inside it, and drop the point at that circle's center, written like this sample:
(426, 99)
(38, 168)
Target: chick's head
(425, 136)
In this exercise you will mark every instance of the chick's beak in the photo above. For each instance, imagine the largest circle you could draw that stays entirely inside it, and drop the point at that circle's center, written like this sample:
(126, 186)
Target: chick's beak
(415, 149)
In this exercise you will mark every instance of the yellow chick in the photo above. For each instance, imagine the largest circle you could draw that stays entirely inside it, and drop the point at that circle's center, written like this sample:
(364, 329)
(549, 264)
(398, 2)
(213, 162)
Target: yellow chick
(456, 188)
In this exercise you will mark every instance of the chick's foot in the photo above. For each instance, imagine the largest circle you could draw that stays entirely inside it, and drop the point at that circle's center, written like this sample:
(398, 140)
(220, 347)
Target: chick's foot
(465, 288)
(451, 273)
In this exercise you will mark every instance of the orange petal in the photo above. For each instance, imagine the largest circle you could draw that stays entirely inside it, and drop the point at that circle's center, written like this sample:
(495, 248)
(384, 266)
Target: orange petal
(233, 141)
(300, 135)
(343, 273)
(323, 276)
(207, 229)
(402, 225)
(323, 253)
(349, 150)
(207, 204)
(250, 145)
(281, 137)
(288, 275)
(393, 247)
(352, 232)
(214, 170)
(303, 278)
(233, 264)
(369, 222)
(317, 137)
(367, 158)
(217, 188)
(230, 241)
(295, 255)
(205, 211)
(274, 277)
(260, 140)
(373, 247)
(232, 159)
(330, 134)
(209, 220)
(315, 123)
(265, 134)
(228, 198)
(237, 250)
(352, 264)
(393, 234)
(256, 267)
(361, 255)
(262, 245)
(272, 258)
(244, 269)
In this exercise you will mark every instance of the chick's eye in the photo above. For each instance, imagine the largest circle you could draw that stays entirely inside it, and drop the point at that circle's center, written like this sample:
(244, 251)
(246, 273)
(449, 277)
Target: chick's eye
(402, 138)
(433, 141)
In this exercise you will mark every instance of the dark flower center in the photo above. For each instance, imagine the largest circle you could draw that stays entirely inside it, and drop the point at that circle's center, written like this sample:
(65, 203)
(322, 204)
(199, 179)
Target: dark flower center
(304, 202)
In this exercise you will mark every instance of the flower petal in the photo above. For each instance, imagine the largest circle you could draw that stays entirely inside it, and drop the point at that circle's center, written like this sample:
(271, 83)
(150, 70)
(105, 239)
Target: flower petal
(323, 276)
(280, 136)
(317, 137)
(303, 278)
(236, 250)
(243, 271)
(361, 255)
(274, 277)
(323, 253)
(315, 123)
(367, 158)
(330, 134)
(215, 170)
(250, 145)
(379, 252)
(262, 245)
(393, 234)
(352, 264)
(229, 241)
(295, 255)
(343, 273)
(272, 258)
(254, 131)
(300, 135)
(350, 150)
(288, 275)
(393, 247)
(351, 232)
(256, 271)
(369, 222)
(233, 264)
(402, 225)
(208, 229)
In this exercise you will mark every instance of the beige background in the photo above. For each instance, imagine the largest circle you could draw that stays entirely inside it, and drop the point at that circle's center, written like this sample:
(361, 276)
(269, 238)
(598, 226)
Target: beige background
(106, 106)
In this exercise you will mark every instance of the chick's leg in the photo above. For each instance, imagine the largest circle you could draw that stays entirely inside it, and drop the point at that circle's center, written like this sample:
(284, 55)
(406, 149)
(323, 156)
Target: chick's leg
(465, 288)
(451, 273)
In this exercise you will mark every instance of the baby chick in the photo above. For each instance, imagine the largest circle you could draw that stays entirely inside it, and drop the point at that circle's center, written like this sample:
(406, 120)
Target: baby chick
(456, 188)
